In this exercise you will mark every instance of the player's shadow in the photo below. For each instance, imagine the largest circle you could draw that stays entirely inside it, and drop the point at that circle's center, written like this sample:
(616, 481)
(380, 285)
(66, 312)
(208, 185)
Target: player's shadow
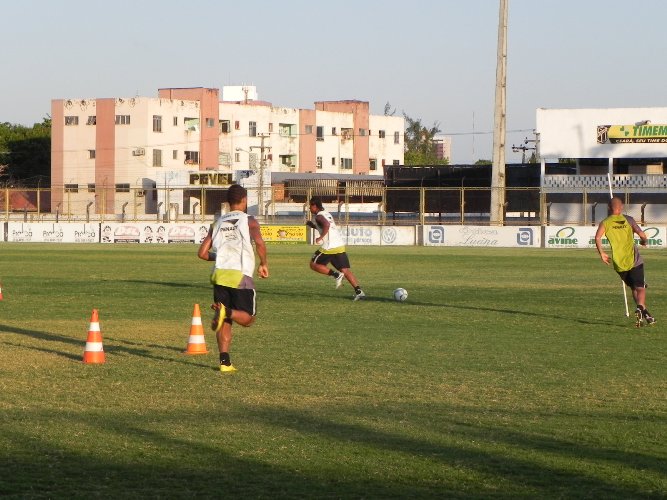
(410, 302)
(165, 283)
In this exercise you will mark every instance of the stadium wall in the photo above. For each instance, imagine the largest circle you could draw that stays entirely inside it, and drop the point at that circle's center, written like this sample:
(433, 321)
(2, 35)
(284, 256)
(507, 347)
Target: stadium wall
(558, 236)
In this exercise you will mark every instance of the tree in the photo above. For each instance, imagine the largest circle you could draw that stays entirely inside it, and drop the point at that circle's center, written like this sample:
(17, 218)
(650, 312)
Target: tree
(26, 153)
(483, 162)
(420, 143)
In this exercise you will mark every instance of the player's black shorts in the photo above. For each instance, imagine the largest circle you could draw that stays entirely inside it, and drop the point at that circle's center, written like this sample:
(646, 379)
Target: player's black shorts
(243, 299)
(634, 278)
(338, 260)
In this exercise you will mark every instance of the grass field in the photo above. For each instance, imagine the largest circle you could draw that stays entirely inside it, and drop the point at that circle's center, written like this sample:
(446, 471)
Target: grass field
(507, 373)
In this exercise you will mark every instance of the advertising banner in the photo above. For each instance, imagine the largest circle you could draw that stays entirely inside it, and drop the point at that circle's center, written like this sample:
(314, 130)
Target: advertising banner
(584, 236)
(481, 236)
(392, 235)
(361, 235)
(284, 233)
(138, 232)
(47, 232)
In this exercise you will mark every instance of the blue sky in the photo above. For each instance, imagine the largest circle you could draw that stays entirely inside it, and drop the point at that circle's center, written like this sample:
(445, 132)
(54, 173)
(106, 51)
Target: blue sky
(434, 60)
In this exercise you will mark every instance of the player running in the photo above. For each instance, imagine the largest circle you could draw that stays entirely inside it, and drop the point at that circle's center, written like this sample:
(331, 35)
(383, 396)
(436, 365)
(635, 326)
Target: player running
(229, 243)
(620, 230)
(332, 249)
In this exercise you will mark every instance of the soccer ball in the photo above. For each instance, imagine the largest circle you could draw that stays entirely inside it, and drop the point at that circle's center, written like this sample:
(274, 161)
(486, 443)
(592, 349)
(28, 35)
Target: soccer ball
(400, 294)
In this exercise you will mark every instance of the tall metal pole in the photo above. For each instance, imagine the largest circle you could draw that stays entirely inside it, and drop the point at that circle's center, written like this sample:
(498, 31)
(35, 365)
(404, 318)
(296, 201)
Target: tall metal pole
(262, 164)
(499, 123)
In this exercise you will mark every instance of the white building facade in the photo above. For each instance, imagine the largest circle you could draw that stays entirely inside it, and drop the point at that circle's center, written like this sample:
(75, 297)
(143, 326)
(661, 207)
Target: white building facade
(105, 151)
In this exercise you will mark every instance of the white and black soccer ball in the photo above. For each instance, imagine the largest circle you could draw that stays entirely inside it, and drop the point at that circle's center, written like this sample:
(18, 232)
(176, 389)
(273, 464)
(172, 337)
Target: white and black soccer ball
(400, 294)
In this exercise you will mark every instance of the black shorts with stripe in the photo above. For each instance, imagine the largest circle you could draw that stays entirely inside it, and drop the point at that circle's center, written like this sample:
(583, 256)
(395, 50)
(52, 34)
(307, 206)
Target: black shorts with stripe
(243, 299)
(338, 260)
(634, 278)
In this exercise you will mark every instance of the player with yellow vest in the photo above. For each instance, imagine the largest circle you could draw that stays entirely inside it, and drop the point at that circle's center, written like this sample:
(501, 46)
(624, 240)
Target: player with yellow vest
(332, 249)
(229, 243)
(628, 263)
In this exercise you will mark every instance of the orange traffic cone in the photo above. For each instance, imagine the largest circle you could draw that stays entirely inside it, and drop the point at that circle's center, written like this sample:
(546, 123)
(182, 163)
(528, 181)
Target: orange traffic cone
(196, 341)
(94, 352)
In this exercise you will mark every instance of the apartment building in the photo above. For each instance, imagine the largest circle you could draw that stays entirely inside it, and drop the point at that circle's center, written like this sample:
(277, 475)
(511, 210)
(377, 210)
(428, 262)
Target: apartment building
(105, 150)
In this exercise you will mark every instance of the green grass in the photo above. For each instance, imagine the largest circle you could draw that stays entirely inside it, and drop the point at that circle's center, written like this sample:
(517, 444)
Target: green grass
(507, 373)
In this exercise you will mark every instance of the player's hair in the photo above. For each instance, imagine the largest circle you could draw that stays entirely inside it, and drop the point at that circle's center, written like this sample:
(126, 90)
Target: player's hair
(315, 200)
(235, 194)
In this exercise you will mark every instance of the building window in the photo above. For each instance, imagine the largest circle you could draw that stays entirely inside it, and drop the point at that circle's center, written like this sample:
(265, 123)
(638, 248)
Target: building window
(237, 125)
(210, 122)
(318, 162)
(71, 120)
(224, 159)
(175, 121)
(346, 163)
(270, 127)
(396, 162)
(287, 130)
(157, 157)
(92, 120)
(71, 188)
(91, 154)
(333, 131)
(397, 137)
(157, 123)
(362, 132)
(91, 188)
(123, 188)
(252, 129)
(346, 133)
(237, 157)
(192, 157)
(373, 164)
(333, 160)
(309, 129)
(320, 133)
(174, 154)
(381, 134)
(122, 119)
(225, 127)
(191, 124)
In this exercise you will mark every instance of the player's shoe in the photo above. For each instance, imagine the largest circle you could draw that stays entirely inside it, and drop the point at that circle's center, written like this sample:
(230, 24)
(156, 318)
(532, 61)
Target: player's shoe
(227, 368)
(339, 280)
(218, 316)
(639, 317)
(359, 295)
(648, 318)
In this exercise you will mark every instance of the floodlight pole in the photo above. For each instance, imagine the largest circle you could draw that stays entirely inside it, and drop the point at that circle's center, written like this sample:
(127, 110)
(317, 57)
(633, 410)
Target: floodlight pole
(499, 123)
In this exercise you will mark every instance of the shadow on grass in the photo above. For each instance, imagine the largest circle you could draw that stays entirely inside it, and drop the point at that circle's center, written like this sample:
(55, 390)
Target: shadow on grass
(164, 283)
(111, 346)
(138, 455)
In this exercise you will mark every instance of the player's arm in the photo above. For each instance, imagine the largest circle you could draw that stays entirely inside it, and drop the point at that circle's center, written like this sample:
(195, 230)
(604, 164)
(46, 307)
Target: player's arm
(598, 243)
(643, 239)
(260, 247)
(204, 251)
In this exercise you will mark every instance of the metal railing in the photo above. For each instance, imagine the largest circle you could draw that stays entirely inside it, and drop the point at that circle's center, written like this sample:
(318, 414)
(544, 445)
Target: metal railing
(354, 205)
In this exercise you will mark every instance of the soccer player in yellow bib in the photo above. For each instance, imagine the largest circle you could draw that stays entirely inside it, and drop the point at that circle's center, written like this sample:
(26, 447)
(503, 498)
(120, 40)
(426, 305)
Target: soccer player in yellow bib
(332, 249)
(229, 243)
(628, 263)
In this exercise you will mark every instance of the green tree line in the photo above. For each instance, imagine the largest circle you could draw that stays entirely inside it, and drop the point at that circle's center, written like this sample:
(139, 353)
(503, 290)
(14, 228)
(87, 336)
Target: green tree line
(25, 154)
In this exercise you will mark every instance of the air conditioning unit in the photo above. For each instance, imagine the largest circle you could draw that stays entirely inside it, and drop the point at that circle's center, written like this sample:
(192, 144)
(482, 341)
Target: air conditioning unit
(139, 152)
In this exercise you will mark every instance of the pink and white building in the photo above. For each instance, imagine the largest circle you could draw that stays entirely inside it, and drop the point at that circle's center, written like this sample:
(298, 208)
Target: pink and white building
(117, 146)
